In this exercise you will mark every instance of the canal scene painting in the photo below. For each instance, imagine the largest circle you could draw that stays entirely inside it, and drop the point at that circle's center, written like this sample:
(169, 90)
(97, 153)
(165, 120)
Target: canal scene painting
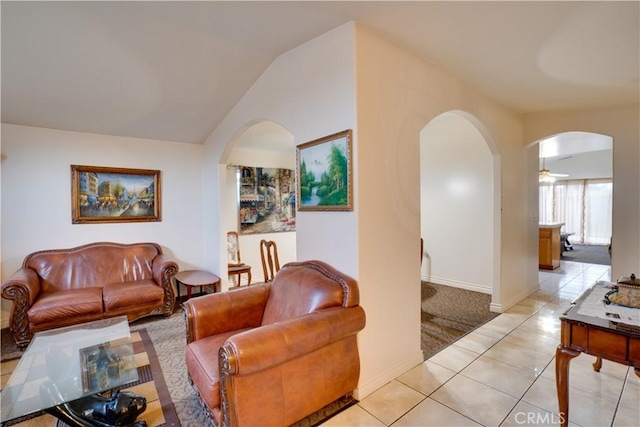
(103, 194)
(324, 173)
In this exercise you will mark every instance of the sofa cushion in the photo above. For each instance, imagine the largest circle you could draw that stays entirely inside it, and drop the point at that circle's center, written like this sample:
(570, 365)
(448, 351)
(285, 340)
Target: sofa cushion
(202, 364)
(128, 294)
(54, 306)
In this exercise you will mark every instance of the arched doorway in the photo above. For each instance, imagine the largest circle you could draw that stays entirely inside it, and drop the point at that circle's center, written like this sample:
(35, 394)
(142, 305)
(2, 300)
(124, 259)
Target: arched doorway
(262, 145)
(576, 189)
(460, 204)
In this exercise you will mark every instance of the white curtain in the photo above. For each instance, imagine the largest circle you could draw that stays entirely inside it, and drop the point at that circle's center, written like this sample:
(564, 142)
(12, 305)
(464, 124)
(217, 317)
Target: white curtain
(598, 212)
(585, 207)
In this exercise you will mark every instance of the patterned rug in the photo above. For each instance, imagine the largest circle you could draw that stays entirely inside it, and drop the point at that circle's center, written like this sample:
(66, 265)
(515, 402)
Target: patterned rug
(449, 313)
(160, 410)
(168, 341)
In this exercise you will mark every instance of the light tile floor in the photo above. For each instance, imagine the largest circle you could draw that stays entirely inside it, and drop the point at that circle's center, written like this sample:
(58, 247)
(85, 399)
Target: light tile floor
(503, 373)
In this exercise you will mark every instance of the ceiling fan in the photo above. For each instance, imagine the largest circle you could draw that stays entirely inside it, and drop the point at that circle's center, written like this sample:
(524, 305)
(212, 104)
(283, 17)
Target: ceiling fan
(545, 174)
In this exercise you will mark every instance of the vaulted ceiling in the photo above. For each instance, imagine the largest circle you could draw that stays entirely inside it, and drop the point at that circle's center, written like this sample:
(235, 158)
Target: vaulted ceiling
(173, 70)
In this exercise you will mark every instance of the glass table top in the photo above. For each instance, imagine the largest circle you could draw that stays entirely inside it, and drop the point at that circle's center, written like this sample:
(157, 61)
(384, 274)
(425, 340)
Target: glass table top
(65, 364)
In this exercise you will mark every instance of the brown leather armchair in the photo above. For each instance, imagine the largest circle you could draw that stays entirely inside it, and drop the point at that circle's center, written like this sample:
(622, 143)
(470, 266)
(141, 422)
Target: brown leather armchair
(273, 353)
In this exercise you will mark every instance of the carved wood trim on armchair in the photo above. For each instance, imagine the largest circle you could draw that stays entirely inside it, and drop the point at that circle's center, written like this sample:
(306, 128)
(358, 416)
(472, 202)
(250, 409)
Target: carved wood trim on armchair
(228, 366)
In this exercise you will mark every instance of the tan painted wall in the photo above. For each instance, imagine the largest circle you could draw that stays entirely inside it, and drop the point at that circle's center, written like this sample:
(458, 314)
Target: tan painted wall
(397, 95)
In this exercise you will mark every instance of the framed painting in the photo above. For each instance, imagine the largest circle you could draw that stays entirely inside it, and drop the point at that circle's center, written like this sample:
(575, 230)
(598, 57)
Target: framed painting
(102, 194)
(324, 173)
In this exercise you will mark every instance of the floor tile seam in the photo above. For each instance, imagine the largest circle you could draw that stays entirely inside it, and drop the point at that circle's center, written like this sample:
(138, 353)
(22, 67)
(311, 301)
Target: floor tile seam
(543, 409)
(570, 388)
(551, 376)
(529, 349)
(410, 409)
(473, 419)
(456, 372)
(497, 389)
(620, 402)
(437, 388)
(368, 412)
(516, 366)
(446, 406)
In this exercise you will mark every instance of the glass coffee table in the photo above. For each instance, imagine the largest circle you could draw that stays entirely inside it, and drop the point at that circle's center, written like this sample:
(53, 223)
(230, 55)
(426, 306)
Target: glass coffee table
(70, 373)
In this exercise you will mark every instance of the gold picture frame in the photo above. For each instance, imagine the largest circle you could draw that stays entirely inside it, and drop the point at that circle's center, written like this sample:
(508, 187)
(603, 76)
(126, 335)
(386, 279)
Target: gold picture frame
(324, 173)
(105, 194)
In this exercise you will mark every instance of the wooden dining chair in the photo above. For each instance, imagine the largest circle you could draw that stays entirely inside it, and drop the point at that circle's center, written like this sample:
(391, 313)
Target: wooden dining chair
(235, 266)
(269, 256)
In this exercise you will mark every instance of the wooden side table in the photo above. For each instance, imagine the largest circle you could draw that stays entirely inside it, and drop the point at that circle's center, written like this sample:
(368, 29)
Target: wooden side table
(193, 278)
(604, 339)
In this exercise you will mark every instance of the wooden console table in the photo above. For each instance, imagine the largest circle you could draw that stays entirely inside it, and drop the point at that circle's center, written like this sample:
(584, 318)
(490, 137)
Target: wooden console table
(605, 339)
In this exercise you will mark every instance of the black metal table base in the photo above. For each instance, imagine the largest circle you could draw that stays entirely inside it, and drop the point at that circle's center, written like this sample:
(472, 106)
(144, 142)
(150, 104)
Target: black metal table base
(119, 410)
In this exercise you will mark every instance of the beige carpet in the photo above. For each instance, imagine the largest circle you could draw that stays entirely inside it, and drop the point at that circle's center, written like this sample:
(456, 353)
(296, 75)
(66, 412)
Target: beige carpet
(449, 313)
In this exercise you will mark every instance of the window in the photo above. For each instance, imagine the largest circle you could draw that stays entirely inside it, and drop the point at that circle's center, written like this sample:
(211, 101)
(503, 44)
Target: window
(585, 207)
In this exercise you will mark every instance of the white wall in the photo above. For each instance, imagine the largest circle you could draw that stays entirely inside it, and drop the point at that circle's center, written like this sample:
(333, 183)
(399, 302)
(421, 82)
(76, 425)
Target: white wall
(36, 194)
(623, 124)
(456, 182)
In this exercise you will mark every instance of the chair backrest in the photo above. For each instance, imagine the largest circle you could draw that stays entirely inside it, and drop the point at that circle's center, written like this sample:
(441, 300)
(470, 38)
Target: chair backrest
(269, 256)
(233, 248)
(304, 287)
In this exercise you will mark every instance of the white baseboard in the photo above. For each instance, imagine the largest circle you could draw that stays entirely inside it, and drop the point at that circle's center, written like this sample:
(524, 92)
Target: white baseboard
(367, 387)
(517, 298)
(496, 308)
(458, 284)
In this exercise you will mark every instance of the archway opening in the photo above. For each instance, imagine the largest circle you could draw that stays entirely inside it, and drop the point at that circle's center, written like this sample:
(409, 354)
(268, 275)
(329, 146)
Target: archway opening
(460, 196)
(576, 190)
(256, 204)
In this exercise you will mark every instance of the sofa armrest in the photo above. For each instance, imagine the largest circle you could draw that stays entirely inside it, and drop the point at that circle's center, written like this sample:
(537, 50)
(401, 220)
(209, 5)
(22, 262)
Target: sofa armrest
(163, 270)
(23, 288)
(213, 314)
(271, 345)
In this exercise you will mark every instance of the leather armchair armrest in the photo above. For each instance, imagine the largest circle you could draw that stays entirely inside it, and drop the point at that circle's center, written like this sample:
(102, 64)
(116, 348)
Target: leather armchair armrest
(23, 288)
(270, 345)
(163, 270)
(213, 314)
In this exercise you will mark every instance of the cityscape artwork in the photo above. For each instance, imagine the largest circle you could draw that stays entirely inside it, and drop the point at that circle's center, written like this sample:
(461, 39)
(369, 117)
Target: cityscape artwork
(103, 194)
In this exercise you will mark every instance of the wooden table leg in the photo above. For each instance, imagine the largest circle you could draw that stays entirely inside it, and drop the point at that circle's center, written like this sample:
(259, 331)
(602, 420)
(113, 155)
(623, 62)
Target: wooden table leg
(563, 357)
(597, 365)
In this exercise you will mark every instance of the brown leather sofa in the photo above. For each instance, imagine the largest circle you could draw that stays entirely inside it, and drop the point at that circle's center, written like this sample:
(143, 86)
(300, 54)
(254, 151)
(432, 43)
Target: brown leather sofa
(61, 287)
(270, 354)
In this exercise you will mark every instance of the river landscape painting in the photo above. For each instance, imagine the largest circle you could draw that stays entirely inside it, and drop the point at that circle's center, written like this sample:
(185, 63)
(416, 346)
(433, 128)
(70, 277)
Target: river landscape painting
(324, 171)
(103, 194)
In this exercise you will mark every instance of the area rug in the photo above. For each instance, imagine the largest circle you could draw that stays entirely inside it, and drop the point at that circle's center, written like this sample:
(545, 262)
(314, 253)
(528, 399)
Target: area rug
(160, 410)
(449, 313)
(588, 254)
